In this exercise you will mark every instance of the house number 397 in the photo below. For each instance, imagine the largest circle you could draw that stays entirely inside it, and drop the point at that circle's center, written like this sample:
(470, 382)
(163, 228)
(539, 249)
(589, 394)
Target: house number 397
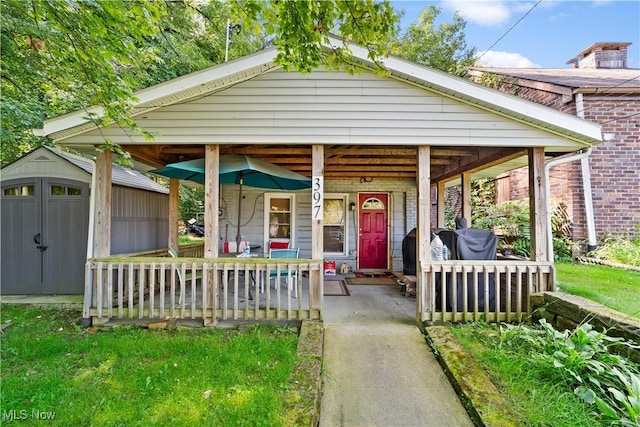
(316, 197)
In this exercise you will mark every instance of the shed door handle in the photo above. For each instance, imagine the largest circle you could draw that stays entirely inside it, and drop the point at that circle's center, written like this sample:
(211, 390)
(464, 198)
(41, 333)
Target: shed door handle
(38, 240)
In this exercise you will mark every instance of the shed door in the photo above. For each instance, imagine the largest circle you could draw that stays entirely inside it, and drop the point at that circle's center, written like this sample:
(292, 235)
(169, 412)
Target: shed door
(44, 236)
(372, 234)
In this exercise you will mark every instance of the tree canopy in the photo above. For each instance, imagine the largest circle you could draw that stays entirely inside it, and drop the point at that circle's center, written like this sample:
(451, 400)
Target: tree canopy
(443, 47)
(64, 55)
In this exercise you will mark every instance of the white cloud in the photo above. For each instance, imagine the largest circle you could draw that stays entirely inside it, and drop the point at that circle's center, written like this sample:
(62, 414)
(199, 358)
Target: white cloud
(497, 59)
(485, 13)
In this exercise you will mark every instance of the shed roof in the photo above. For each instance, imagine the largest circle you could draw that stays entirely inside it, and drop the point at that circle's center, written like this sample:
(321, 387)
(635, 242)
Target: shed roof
(121, 176)
(627, 80)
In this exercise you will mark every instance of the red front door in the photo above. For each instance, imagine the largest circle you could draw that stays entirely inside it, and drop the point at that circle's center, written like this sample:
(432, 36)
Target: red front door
(373, 234)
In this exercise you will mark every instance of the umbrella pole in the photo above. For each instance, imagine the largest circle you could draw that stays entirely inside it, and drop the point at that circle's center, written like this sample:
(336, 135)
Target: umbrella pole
(238, 236)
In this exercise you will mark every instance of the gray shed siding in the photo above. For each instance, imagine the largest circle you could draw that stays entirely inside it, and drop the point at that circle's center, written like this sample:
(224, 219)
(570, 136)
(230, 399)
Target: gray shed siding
(139, 220)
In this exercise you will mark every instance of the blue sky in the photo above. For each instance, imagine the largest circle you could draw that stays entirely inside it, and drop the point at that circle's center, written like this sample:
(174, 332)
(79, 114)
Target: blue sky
(552, 33)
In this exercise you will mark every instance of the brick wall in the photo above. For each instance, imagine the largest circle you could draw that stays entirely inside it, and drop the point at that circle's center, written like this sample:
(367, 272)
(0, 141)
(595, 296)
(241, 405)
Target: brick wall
(614, 166)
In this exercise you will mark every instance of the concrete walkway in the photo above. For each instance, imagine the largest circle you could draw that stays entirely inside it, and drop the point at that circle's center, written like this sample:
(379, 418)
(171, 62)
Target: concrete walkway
(377, 367)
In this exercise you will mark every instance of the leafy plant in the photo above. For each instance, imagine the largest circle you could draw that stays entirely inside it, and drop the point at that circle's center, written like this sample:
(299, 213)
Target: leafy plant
(585, 362)
(510, 221)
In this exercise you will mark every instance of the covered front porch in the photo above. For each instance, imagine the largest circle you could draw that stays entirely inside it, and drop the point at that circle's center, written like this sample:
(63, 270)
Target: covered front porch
(405, 136)
(205, 283)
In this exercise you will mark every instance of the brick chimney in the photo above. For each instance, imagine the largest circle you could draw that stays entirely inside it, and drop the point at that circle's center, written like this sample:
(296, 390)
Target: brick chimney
(609, 55)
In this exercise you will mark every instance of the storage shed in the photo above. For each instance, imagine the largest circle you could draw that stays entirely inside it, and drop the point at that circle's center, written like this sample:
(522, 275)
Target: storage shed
(45, 213)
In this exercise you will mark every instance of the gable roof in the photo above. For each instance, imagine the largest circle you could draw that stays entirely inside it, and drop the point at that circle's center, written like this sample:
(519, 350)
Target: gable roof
(211, 80)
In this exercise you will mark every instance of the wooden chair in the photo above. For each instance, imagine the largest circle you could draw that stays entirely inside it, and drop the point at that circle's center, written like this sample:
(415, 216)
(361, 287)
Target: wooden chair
(291, 274)
(188, 275)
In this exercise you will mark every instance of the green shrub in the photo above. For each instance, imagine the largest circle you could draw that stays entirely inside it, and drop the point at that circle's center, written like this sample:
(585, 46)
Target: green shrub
(582, 357)
(511, 223)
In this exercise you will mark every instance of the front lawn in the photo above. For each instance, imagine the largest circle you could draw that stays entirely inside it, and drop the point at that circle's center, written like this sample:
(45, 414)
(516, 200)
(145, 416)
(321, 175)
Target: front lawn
(134, 376)
(552, 378)
(614, 287)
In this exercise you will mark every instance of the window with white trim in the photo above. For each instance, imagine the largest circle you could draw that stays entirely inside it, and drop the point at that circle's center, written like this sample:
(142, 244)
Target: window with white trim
(335, 224)
(279, 218)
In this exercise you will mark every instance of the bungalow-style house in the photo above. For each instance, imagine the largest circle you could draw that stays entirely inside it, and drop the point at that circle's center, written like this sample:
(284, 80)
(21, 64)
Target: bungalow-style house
(374, 147)
(45, 217)
(601, 188)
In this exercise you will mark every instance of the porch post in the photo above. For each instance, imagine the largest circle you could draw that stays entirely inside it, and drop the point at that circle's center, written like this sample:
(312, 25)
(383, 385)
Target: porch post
(102, 224)
(102, 213)
(466, 197)
(441, 204)
(538, 206)
(211, 200)
(174, 199)
(316, 276)
(423, 231)
(211, 233)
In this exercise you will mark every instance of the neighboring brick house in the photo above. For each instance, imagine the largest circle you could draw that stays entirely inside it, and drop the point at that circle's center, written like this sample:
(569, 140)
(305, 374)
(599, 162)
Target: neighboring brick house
(600, 88)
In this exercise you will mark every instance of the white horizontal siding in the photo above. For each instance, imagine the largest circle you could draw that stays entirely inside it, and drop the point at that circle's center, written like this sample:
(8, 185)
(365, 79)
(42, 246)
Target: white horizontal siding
(327, 108)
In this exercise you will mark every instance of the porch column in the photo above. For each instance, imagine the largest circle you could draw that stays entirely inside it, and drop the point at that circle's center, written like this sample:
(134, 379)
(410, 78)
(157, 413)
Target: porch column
(211, 233)
(423, 230)
(538, 206)
(442, 204)
(174, 199)
(466, 197)
(211, 200)
(102, 212)
(101, 231)
(316, 277)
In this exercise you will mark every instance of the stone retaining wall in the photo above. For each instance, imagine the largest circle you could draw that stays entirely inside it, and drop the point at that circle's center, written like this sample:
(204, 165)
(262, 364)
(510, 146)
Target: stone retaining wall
(566, 311)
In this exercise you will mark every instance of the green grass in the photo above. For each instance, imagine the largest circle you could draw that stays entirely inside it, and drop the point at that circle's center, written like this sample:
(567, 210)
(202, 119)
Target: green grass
(189, 239)
(134, 376)
(536, 392)
(614, 287)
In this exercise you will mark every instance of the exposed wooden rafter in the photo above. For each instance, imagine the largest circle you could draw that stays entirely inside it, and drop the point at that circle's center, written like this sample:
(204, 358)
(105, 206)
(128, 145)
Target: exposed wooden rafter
(343, 161)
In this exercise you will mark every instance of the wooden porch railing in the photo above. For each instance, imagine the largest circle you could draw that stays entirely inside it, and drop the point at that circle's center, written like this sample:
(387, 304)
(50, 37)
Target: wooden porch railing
(194, 288)
(460, 291)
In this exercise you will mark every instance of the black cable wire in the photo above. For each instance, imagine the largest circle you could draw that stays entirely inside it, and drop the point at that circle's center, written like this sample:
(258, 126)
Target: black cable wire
(509, 30)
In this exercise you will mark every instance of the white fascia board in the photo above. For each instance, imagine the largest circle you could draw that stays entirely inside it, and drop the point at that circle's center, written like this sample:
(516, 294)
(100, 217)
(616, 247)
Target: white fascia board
(478, 95)
(159, 91)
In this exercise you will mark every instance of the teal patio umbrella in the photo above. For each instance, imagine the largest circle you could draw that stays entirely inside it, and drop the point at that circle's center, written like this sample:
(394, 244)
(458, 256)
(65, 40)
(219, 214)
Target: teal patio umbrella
(242, 170)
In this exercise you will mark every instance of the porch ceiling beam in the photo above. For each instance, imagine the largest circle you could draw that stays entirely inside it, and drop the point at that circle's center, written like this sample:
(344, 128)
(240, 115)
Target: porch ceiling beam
(181, 150)
(361, 174)
(360, 150)
(147, 155)
(450, 152)
(284, 160)
(267, 150)
(371, 161)
(487, 159)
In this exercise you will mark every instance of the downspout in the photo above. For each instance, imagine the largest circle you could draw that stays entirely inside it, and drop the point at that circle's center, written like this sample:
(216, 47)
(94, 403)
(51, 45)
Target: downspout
(583, 156)
(586, 186)
(547, 167)
(88, 292)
